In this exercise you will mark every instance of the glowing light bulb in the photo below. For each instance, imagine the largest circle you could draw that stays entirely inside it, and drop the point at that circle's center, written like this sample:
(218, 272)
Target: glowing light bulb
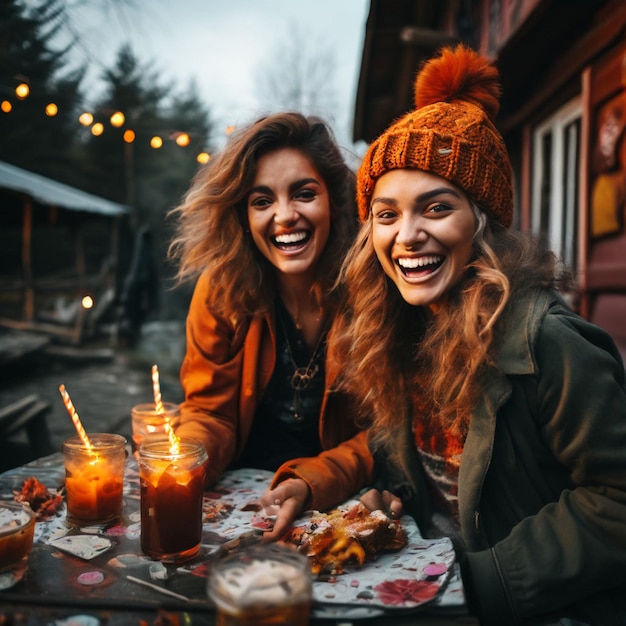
(183, 139)
(86, 119)
(156, 142)
(129, 135)
(87, 302)
(203, 157)
(97, 129)
(6, 106)
(51, 109)
(117, 119)
(22, 91)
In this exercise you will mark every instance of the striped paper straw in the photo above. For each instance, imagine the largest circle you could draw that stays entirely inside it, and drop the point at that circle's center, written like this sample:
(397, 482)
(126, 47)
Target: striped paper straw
(160, 409)
(74, 415)
(156, 390)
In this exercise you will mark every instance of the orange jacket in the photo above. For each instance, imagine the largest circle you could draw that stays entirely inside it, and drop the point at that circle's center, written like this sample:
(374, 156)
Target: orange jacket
(224, 373)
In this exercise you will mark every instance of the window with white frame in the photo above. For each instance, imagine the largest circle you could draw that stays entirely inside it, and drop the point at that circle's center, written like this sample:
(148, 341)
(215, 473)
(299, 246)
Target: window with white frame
(555, 181)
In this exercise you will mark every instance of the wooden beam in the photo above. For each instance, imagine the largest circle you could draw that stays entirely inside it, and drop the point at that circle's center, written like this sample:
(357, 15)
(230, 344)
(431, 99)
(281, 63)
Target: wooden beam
(601, 37)
(79, 252)
(27, 266)
(583, 196)
(426, 37)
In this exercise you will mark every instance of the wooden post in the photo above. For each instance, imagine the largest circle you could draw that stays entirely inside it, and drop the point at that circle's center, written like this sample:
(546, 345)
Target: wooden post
(79, 251)
(81, 270)
(27, 267)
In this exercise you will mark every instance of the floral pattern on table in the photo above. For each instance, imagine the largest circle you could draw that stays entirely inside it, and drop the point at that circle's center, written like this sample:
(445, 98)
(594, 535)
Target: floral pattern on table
(422, 574)
(401, 580)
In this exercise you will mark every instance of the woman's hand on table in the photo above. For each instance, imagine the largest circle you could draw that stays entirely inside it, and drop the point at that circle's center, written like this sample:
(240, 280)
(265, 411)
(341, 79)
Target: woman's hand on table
(286, 501)
(384, 501)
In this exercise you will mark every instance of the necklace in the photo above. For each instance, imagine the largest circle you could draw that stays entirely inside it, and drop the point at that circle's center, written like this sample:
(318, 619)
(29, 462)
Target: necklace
(298, 323)
(302, 376)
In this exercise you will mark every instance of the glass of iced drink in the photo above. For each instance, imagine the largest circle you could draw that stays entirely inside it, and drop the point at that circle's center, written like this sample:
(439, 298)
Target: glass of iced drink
(94, 479)
(146, 422)
(17, 529)
(172, 489)
(262, 585)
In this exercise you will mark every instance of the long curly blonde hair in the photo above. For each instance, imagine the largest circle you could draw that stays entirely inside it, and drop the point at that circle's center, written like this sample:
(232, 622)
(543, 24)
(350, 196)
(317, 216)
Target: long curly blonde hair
(211, 233)
(399, 360)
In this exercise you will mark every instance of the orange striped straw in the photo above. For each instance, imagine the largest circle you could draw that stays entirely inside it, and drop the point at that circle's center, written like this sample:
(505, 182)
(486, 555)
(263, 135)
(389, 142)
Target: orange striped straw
(174, 440)
(160, 409)
(74, 415)
(156, 390)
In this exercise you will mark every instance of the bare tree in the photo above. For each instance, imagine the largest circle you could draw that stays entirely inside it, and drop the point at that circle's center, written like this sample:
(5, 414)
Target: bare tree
(83, 28)
(298, 74)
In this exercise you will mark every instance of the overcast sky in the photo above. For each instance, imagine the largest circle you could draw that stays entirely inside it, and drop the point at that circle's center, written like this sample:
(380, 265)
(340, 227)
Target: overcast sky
(222, 44)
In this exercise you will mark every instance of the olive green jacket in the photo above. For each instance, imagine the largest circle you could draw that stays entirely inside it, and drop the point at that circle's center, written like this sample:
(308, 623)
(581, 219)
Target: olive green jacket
(542, 481)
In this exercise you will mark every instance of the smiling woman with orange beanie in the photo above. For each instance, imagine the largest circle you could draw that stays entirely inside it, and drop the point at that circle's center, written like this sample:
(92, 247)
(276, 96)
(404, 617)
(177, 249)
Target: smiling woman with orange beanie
(500, 414)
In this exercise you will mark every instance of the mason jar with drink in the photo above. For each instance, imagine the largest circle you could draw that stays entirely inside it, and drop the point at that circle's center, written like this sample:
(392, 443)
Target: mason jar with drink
(262, 585)
(147, 421)
(17, 530)
(171, 477)
(94, 478)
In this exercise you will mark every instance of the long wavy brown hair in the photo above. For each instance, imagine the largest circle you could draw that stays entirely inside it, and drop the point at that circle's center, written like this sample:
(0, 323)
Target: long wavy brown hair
(211, 232)
(400, 360)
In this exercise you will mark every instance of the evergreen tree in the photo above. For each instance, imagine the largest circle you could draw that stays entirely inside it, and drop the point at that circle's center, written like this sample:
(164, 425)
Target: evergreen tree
(150, 180)
(111, 163)
(31, 139)
(135, 172)
(186, 116)
(175, 163)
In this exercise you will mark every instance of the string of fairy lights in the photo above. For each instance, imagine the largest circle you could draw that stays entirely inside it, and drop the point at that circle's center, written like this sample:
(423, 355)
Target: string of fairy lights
(117, 119)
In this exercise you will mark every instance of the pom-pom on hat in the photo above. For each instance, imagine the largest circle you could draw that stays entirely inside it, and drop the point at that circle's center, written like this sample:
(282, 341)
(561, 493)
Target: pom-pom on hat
(450, 133)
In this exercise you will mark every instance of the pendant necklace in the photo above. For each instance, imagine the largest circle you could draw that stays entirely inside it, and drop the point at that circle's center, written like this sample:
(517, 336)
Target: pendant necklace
(302, 376)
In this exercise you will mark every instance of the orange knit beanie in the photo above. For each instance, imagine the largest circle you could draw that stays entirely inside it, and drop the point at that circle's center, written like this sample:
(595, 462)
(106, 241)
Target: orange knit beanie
(450, 133)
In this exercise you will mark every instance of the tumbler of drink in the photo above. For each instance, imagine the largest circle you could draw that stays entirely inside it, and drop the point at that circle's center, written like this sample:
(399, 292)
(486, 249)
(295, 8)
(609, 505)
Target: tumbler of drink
(262, 585)
(146, 422)
(94, 479)
(171, 491)
(17, 529)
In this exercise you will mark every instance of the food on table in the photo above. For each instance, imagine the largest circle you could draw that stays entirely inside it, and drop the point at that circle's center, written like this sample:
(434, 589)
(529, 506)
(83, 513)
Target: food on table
(345, 537)
(216, 511)
(42, 501)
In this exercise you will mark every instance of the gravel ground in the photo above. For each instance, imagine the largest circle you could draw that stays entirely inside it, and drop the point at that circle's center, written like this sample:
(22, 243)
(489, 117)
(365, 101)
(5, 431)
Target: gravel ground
(103, 382)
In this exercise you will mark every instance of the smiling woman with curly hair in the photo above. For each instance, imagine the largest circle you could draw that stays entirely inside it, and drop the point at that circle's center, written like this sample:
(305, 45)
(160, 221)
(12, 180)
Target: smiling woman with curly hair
(265, 226)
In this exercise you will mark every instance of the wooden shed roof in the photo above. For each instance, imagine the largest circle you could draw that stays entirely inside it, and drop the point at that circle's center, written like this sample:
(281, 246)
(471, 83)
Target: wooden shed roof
(52, 193)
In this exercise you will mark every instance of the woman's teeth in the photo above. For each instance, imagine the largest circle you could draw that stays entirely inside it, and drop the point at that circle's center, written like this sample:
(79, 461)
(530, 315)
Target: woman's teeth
(289, 239)
(419, 263)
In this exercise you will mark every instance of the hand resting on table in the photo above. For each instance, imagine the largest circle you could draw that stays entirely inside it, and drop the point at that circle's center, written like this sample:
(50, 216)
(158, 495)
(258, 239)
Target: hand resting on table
(286, 502)
(384, 501)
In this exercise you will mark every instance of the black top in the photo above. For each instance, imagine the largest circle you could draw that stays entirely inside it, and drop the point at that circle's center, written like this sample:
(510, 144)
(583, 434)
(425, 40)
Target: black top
(285, 424)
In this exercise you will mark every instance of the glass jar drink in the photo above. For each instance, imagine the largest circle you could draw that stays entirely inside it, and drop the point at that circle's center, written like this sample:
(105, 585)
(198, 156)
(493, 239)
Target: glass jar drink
(172, 488)
(262, 585)
(94, 479)
(17, 530)
(146, 422)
